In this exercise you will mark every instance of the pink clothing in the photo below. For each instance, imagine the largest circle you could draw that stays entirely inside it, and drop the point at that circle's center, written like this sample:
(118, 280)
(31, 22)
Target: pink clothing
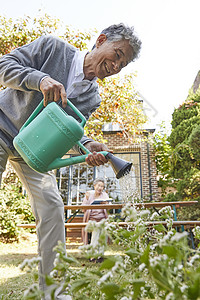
(93, 214)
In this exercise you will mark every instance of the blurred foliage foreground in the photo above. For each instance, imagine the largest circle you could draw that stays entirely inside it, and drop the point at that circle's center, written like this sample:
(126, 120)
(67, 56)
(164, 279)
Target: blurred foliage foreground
(154, 263)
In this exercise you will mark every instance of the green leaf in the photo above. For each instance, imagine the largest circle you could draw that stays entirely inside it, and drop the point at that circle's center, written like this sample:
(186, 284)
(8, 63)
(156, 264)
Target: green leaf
(96, 272)
(137, 284)
(111, 289)
(69, 259)
(145, 256)
(171, 251)
(194, 290)
(49, 280)
(138, 232)
(127, 234)
(160, 228)
(108, 263)
(132, 253)
(79, 284)
(160, 279)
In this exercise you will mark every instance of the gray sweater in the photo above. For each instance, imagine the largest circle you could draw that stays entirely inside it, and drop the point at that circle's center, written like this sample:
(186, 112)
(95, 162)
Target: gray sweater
(21, 72)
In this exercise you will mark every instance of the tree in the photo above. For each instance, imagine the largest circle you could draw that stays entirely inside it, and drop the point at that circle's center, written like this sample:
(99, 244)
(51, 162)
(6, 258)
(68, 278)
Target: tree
(183, 166)
(163, 154)
(16, 33)
(119, 105)
(119, 97)
(184, 135)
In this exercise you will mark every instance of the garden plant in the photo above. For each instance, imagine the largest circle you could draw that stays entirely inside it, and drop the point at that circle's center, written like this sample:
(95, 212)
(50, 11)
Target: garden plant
(155, 262)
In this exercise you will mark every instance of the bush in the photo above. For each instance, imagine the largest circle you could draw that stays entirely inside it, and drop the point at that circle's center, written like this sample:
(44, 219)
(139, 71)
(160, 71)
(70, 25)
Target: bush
(186, 111)
(194, 142)
(182, 131)
(14, 208)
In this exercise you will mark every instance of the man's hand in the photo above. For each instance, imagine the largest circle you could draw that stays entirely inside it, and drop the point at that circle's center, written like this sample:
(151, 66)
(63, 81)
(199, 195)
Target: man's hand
(53, 90)
(96, 159)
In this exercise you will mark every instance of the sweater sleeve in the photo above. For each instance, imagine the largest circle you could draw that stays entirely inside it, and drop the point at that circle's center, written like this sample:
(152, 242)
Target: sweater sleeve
(20, 69)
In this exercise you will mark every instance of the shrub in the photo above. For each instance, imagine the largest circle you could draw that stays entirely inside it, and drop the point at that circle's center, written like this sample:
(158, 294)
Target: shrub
(14, 208)
(194, 142)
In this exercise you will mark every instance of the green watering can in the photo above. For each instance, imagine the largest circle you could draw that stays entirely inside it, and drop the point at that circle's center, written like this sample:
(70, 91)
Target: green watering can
(49, 133)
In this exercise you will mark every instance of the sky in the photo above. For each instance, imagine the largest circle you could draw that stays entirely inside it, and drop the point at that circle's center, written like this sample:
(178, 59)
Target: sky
(169, 30)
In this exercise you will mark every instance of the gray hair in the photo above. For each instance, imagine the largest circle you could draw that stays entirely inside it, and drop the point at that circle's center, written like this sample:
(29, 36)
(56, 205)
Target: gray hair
(98, 180)
(119, 32)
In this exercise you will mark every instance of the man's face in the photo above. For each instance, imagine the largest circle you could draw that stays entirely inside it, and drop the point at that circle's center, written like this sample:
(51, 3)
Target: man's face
(111, 57)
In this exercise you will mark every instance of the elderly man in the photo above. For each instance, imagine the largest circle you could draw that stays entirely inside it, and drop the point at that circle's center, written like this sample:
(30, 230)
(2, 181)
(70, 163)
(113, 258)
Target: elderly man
(50, 68)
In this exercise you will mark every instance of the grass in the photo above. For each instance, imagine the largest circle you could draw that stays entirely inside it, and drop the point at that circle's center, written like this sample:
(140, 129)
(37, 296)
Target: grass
(13, 281)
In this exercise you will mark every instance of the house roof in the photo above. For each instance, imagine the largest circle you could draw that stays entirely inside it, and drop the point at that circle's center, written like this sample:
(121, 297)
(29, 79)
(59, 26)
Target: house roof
(196, 82)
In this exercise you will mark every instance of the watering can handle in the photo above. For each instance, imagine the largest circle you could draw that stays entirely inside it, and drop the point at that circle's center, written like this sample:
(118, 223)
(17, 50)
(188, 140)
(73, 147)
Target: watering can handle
(81, 116)
(41, 106)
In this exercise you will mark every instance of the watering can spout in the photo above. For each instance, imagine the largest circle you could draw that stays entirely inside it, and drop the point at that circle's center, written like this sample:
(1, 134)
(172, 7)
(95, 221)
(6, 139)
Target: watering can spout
(120, 166)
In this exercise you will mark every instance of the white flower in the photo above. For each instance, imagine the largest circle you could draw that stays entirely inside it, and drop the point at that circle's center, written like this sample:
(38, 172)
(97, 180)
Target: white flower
(144, 213)
(180, 267)
(195, 257)
(23, 264)
(129, 212)
(139, 222)
(178, 236)
(153, 246)
(154, 216)
(154, 261)
(33, 288)
(169, 296)
(31, 263)
(110, 273)
(105, 277)
(56, 262)
(166, 238)
(196, 231)
(53, 273)
(141, 267)
(90, 226)
(117, 264)
(183, 287)
(167, 210)
(157, 259)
